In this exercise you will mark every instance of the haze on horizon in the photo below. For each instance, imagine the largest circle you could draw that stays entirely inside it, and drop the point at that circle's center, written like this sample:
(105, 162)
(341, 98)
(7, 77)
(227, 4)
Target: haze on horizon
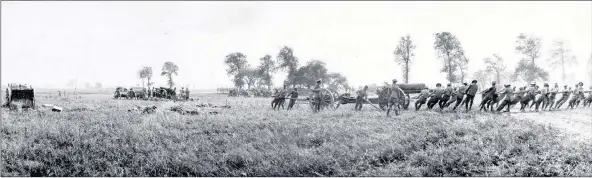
(47, 44)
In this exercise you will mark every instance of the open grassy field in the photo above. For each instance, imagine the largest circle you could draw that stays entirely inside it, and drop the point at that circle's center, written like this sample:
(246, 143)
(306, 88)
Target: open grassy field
(97, 136)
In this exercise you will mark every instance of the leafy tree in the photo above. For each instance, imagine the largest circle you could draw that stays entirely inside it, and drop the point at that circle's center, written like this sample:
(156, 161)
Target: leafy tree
(237, 63)
(561, 57)
(288, 62)
(529, 72)
(463, 68)
(448, 48)
(482, 78)
(266, 69)
(169, 69)
(336, 82)
(146, 73)
(313, 71)
(403, 55)
(495, 66)
(251, 76)
(529, 47)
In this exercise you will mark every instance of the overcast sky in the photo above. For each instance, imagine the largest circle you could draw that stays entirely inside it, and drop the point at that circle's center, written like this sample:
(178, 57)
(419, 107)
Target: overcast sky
(49, 43)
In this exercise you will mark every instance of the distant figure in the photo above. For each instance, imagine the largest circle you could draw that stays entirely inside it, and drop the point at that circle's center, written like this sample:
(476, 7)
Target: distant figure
(293, 96)
(362, 96)
(186, 93)
(394, 98)
(317, 96)
(471, 92)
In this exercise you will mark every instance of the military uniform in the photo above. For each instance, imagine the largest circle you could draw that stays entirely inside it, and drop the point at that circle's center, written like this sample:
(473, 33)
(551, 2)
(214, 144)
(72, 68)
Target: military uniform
(489, 96)
(293, 97)
(362, 96)
(507, 94)
(448, 91)
(564, 96)
(423, 96)
(460, 93)
(435, 97)
(552, 94)
(471, 92)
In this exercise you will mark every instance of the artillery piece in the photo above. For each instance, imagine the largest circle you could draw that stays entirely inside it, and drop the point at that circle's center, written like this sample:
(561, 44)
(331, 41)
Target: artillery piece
(382, 99)
(20, 94)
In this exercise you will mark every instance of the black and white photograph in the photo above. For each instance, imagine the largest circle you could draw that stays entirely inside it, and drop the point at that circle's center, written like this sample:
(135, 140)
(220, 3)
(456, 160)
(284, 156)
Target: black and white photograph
(296, 89)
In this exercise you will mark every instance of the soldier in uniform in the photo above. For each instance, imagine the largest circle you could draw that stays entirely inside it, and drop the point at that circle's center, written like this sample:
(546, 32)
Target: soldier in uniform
(543, 99)
(530, 95)
(580, 94)
(507, 98)
(488, 97)
(362, 96)
(317, 95)
(293, 96)
(186, 94)
(394, 97)
(564, 96)
(280, 98)
(460, 93)
(422, 98)
(575, 97)
(518, 96)
(448, 91)
(436, 96)
(551, 100)
(471, 92)
(588, 100)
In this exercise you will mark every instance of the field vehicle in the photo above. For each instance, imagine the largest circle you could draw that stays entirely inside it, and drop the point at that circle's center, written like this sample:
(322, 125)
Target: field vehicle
(120, 92)
(382, 99)
(138, 93)
(20, 94)
(164, 92)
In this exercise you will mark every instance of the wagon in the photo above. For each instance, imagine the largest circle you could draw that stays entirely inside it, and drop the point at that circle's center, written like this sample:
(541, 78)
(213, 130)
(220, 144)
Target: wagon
(22, 94)
(382, 99)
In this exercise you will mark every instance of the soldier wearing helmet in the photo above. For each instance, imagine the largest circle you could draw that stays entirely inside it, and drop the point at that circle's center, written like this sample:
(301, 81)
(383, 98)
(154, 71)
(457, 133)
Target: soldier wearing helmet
(394, 97)
(317, 95)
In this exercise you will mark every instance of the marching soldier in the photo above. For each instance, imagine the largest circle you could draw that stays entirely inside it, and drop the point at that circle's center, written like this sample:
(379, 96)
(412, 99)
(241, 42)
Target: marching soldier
(460, 93)
(488, 97)
(436, 96)
(362, 96)
(293, 96)
(471, 92)
(422, 98)
(507, 98)
(394, 98)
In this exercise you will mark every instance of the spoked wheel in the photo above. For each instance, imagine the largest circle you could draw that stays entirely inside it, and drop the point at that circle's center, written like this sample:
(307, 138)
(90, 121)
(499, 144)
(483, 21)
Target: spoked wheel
(325, 101)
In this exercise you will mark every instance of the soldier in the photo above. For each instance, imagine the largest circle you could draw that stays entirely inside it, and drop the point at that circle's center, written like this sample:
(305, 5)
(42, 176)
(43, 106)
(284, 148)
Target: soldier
(552, 93)
(422, 98)
(574, 98)
(537, 99)
(293, 96)
(488, 97)
(507, 98)
(471, 92)
(564, 96)
(446, 95)
(280, 98)
(362, 96)
(588, 100)
(530, 95)
(460, 93)
(394, 97)
(518, 96)
(544, 98)
(317, 95)
(436, 96)
(580, 94)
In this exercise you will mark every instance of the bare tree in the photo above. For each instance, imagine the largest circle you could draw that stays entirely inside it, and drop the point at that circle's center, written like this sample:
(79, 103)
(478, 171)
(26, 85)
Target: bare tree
(495, 66)
(403, 55)
(561, 57)
(450, 51)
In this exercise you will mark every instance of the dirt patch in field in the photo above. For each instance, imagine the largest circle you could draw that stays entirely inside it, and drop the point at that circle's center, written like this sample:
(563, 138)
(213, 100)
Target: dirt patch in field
(576, 123)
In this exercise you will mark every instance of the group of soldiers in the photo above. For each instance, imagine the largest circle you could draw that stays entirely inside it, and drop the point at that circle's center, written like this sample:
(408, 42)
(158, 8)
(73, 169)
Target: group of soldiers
(528, 96)
(152, 93)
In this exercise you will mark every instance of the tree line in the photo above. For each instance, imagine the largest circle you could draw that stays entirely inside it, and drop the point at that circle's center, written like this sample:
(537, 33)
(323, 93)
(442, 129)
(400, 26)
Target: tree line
(454, 62)
(242, 73)
(168, 70)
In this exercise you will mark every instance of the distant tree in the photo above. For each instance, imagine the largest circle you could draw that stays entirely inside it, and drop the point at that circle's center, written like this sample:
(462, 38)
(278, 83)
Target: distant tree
(495, 66)
(288, 62)
(529, 47)
(146, 73)
(463, 68)
(251, 76)
(169, 69)
(448, 48)
(528, 72)
(337, 82)
(561, 57)
(266, 69)
(311, 72)
(403, 55)
(237, 63)
(482, 77)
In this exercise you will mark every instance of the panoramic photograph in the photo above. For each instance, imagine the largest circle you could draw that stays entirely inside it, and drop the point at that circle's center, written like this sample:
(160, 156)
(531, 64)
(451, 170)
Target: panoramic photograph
(296, 89)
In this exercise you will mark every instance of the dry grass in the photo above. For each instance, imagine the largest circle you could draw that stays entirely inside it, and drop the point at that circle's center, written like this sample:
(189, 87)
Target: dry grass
(251, 139)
